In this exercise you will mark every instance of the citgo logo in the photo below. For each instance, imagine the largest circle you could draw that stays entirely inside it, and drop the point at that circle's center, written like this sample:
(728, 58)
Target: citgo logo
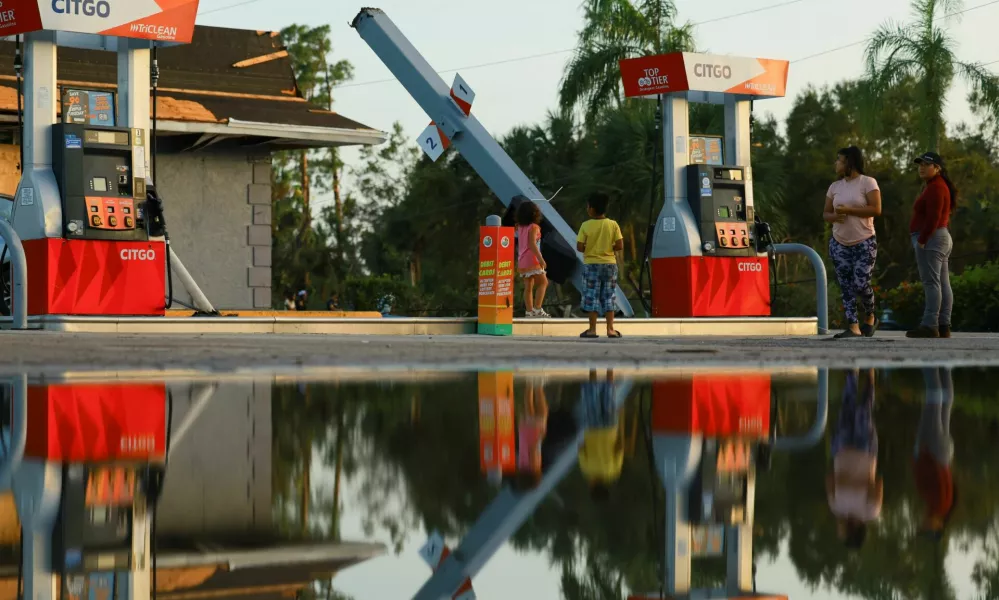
(750, 267)
(87, 8)
(136, 254)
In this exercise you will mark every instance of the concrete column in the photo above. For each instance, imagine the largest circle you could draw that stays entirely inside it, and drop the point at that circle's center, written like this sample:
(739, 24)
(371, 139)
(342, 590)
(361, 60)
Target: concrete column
(133, 96)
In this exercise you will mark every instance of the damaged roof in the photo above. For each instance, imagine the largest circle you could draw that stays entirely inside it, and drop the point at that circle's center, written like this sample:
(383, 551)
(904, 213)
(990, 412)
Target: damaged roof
(225, 82)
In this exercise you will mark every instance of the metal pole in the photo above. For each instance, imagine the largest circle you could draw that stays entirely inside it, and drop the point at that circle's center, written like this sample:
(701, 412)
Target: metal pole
(200, 400)
(821, 287)
(200, 300)
(19, 271)
(501, 519)
(18, 432)
(812, 437)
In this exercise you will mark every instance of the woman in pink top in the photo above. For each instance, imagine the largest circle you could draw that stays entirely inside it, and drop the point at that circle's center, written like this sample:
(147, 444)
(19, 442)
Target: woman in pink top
(854, 489)
(530, 264)
(851, 205)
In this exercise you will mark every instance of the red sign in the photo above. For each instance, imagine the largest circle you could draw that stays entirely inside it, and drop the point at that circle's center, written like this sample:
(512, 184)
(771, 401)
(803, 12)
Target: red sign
(160, 20)
(651, 75)
(686, 71)
(19, 16)
(496, 271)
(87, 422)
(713, 404)
(710, 286)
(95, 277)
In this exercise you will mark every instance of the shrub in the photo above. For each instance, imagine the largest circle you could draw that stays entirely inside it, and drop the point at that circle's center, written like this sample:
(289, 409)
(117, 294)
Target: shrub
(976, 299)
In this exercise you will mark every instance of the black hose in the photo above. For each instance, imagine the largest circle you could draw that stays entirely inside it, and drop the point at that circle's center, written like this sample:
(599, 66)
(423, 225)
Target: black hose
(20, 569)
(644, 268)
(152, 525)
(18, 71)
(645, 410)
(154, 80)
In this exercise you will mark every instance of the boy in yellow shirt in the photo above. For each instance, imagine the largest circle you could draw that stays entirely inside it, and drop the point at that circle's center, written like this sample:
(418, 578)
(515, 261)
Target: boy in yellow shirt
(599, 240)
(601, 455)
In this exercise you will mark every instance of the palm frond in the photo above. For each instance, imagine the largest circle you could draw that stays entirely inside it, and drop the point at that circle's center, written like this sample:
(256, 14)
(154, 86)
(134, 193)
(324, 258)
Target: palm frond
(984, 87)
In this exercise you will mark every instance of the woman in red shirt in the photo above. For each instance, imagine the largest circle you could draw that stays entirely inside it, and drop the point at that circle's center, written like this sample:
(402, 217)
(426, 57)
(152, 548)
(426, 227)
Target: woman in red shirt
(933, 244)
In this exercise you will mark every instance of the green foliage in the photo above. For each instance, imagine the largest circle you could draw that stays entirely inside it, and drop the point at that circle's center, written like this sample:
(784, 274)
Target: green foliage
(976, 299)
(925, 51)
(614, 30)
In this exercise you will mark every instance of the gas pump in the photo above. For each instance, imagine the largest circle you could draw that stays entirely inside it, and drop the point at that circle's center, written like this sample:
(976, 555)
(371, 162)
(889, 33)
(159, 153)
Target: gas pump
(708, 254)
(710, 434)
(86, 208)
(86, 469)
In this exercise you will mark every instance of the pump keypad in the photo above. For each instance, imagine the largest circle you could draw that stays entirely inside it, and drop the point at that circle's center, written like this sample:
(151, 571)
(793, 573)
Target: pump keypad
(732, 235)
(112, 207)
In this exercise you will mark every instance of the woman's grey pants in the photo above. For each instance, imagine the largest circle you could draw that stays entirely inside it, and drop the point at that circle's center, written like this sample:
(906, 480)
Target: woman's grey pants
(934, 271)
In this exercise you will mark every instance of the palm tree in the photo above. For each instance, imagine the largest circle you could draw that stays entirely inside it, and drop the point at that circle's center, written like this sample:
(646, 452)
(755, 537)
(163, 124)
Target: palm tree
(927, 52)
(614, 30)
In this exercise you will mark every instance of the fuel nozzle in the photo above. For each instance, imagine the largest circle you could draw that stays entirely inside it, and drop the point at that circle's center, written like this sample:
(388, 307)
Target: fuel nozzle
(763, 238)
(155, 223)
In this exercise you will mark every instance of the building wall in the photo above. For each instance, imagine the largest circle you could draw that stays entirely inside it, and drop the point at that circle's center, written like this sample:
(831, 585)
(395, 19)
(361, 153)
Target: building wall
(218, 213)
(219, 485)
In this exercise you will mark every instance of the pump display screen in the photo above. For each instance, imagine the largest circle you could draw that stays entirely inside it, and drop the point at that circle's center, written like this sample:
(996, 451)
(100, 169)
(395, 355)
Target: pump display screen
(88, 107)
(100, 184)
(724, 212)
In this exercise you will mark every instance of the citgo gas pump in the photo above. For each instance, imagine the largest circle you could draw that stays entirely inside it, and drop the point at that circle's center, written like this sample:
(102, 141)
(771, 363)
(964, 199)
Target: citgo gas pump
(708, 254)
(86, 208)
(710, 434)
(91, 467)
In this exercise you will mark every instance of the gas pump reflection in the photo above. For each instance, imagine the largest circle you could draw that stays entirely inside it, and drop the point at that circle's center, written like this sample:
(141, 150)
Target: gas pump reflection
(677, 483)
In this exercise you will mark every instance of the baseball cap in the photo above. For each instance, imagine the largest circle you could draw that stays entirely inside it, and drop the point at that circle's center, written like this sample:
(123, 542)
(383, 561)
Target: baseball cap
(930, 158)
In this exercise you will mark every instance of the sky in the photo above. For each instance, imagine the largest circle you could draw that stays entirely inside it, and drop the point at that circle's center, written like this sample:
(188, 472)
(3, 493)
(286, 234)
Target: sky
(460, 35)
(464, 35)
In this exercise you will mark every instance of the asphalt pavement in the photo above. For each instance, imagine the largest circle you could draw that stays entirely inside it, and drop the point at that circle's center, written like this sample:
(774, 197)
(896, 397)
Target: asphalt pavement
(41, 352)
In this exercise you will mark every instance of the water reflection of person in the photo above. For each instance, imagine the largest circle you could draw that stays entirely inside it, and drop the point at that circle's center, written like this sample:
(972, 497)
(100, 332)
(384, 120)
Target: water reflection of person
(934, 452)
(601, 455)
(531, 431)
(854, 489)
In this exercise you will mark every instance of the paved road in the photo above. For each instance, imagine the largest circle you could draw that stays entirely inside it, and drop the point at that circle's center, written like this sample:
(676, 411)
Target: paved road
(50, 352)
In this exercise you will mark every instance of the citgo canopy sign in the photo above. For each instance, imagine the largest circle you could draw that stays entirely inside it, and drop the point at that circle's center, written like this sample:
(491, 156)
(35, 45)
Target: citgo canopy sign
(686, 71)
(161, 20)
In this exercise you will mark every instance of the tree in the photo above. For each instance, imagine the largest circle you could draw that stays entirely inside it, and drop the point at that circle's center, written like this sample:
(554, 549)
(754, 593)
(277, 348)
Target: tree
(926, 52)
(299, 173)
(614, 30)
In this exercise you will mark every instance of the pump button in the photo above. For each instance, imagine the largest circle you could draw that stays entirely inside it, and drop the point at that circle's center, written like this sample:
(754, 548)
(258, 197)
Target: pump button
(735, 242)
(129, 222)
(745, 242)
(96, 221)
(723, 242)
(113, 221)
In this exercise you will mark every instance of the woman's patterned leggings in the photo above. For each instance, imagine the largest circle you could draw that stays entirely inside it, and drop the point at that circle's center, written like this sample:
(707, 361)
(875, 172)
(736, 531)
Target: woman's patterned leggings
(854, 266)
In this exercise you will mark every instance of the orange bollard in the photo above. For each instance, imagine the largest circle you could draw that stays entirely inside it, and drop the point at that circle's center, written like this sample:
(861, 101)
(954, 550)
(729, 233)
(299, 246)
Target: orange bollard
(496, 269)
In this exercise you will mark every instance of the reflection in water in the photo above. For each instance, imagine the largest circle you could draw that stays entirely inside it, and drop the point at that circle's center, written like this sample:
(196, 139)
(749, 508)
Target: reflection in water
(897, 497)
(417, 477)
(856, 490)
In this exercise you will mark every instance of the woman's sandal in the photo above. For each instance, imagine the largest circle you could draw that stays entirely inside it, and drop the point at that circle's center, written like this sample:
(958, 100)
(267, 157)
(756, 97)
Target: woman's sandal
(588, 336)
(615, 336)
(847, 334)
(870, 330)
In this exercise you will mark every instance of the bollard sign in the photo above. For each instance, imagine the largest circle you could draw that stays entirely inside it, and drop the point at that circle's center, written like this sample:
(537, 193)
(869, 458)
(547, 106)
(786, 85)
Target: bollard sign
(158, 20)
(496, 269)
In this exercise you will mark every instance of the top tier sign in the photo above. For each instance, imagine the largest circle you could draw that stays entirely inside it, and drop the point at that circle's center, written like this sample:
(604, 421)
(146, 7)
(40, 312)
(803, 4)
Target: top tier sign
(708, 73)
(158, 20)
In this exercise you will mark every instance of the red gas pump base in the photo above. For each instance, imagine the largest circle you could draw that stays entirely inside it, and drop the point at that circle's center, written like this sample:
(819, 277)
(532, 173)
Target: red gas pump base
(95, 277)
(710, 286)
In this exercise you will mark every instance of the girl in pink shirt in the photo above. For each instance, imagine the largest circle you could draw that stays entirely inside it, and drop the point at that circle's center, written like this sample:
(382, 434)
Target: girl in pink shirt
(530, 264)
(851, 205)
